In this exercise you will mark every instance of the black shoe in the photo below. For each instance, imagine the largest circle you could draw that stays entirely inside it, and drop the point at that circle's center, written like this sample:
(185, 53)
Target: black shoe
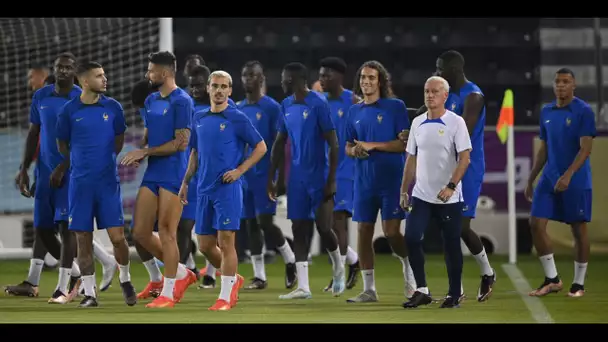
(418, 299)
(207, 283)
(24, 289)
(353, 275)
(88, 302)
(290, 275)
(257, 284)
(485, 287)
(451, 302)
(329, 287)
(128, 293)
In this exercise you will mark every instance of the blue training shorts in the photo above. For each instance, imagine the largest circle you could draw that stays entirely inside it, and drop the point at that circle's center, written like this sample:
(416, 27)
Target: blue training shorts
(155, 187)
(256, 201)
(344, 195)
(367, 204)
(50, 204)
(471, 189)
(303, 200)
(101, 201)
(571, 206)
(220, 209)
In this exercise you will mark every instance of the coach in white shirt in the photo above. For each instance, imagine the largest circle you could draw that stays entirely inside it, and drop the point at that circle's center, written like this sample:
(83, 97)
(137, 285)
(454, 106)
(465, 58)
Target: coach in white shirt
(438, 151)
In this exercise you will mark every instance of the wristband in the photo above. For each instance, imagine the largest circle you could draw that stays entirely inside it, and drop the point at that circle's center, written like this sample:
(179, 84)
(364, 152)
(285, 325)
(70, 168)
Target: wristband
(451, 185)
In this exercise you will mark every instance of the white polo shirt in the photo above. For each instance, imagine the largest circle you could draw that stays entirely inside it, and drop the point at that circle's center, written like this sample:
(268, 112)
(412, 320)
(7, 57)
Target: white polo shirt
(436, 144)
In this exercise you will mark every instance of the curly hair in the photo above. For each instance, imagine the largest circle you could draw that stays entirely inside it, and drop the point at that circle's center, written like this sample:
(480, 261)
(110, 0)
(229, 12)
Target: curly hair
(384, 79)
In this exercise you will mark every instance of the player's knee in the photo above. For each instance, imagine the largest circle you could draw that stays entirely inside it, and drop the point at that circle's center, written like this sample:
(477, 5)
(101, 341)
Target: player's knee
(206, 244)
(536, 225)
(117, 236)
(413, 237)
(391, 232)
(226, 239)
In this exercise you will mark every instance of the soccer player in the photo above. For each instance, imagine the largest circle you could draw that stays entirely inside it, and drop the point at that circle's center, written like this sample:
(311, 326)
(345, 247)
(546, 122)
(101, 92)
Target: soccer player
(438, 149)
(372, 130)
(307, 121)
(217, 156)
(258, 209)
(90, 134)
(167, 122)
(563, 193)
(331, 78)
(51, 192)
(191, 62)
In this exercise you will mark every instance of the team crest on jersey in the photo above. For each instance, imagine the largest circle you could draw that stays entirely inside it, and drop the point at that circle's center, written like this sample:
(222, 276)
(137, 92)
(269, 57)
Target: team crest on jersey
(165, 111)
(454, 106)
(340, 112)
(441, 132)
(379, 117)
(105, 116)
(222, 127)
(258, 116)
(568, 122)
(305, 114)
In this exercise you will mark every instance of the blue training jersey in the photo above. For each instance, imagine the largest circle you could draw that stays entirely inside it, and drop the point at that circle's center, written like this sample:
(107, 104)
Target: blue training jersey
(380, 121)
(220, 139)
(339, 112)
(90, 130)
(455, 103)
(264, 116)
(162, 118)
(562, 129)
(44, 111)
(305, 123)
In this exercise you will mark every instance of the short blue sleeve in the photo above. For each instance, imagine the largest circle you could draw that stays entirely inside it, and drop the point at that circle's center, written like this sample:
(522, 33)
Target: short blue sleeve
(34, 113)
(64, 126)
(351, 132)
(587, 124)
(402, 120)
(244, 130)
(193, 136)
(184, 108)
(543, 131)
(120, 126)
(324, 116)
(281, 128)
(142, 113)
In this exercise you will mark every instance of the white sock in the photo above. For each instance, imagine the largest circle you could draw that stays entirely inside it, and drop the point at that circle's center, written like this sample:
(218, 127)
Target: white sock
(351, 256)
(153, 270)
(33, 277)
(168, 287)
(461, 289)
(337, 265)
(343, 260)
(75, 269)
(287, 253)
(368, 280)
(64, 280)
(226, 289)
(102, 255)
(89, 285)
(190, 262)
(548, 263)
(302, 273)
(182, 271)
(580, 270)
(123, 273)
(50, 260)
(484, 263)
(424, 290)
(210, 269)
(408, 273)
(259, 271)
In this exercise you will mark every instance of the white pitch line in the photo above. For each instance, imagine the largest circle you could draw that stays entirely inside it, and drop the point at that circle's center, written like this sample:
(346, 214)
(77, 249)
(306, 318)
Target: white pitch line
(535, 306)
